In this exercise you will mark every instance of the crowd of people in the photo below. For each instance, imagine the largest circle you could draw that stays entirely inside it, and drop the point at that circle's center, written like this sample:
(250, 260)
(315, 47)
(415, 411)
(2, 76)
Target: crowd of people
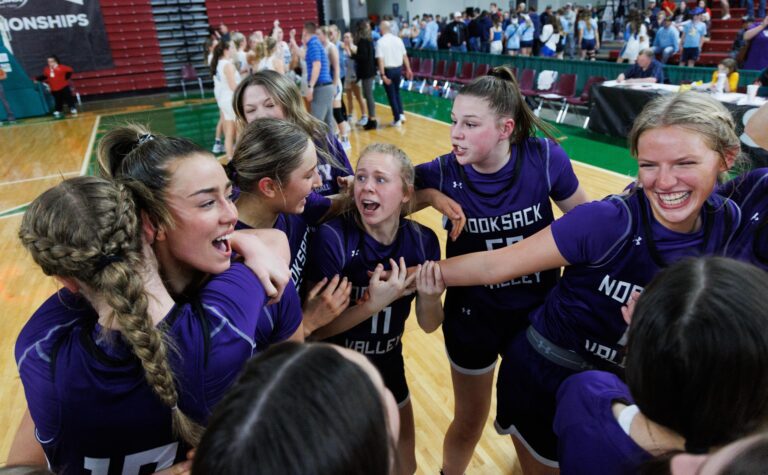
(249, 317)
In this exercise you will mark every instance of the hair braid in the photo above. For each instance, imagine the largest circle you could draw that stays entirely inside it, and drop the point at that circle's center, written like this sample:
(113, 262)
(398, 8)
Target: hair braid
(70, 230)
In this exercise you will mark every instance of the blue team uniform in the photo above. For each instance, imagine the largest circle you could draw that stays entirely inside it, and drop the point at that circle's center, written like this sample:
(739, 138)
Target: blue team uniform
(749, 192)
(580, 325)
(92, 407)
(501, 208)
(590, 439)
(342, 247)
(329, 173)
(298, 228)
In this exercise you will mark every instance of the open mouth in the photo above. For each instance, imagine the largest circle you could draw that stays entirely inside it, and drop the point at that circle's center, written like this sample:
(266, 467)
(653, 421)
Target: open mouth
(369, 205)
(673, 199)
(459, 150)
(222, 243)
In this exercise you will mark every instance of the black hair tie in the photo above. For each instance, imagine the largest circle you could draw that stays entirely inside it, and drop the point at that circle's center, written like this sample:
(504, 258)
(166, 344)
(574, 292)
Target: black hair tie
(107, 260)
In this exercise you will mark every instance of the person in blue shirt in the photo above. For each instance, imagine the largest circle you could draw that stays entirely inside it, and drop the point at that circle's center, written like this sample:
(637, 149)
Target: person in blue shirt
(430, 34)
(694, 34)
(667, 40)
(320, 88)
(512, 35)
(646, 69)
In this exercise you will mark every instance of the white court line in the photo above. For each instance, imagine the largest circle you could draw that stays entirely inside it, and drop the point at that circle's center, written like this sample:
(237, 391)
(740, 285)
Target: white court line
(9, 210)
(586, 165)
(89, 148)
(25, 180)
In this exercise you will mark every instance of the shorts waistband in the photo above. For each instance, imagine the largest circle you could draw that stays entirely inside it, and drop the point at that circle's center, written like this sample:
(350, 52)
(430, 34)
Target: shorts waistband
(321, 84)
(555, 354)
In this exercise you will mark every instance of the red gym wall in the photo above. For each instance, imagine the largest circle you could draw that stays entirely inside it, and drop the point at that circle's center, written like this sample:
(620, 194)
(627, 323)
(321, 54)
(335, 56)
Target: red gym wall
(136, 52)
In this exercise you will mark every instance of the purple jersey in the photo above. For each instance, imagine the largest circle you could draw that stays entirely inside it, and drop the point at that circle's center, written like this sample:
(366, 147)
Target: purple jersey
(582, 313)
(298, 228)
(749, 192)
(329, 173)
(503, 208)
(279, 321)
(92, 407)
(590, 439)
(342, 247)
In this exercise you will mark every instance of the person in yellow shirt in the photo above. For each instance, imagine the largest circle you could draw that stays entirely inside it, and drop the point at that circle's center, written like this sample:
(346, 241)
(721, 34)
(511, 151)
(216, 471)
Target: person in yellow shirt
(727, 74)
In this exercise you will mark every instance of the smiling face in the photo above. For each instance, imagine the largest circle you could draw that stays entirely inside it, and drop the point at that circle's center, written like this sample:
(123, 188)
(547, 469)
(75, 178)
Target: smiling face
(199, 198)
(258, 104)
(379, 193)
(292, 196)
(479, 137)
(678, 171)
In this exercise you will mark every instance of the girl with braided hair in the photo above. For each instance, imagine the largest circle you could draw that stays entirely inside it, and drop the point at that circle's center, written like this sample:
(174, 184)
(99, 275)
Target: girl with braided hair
(117, 383)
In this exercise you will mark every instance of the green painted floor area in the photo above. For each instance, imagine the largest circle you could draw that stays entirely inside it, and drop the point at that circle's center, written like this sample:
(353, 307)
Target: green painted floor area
(581, 145)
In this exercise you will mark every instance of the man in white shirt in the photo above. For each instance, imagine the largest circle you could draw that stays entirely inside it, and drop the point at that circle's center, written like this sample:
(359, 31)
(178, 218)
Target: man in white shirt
(392, 57)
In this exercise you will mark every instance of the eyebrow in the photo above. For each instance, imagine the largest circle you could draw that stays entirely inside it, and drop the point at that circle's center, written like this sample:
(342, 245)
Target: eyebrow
(206, 191)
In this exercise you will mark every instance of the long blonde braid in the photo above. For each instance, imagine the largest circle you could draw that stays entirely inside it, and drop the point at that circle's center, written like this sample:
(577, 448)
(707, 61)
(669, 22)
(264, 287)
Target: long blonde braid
(87, 228)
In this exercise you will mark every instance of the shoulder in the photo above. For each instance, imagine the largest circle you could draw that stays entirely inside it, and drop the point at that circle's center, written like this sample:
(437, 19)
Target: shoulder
(51, 321)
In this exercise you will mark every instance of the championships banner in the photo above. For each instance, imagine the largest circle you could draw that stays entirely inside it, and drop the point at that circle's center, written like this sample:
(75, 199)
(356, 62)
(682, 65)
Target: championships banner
(73, 30)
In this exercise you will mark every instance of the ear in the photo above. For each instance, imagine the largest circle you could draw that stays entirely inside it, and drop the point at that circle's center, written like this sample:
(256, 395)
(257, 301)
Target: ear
(149, 229)
(268, 187)
(506, 128)
(408, 195)
(729, 158)
(69, 283)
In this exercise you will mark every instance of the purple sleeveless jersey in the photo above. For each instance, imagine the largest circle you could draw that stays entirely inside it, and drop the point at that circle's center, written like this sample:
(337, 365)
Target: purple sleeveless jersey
(750, 192)
(590, 439)
(503, 208)
(582, 313)
(92, 407)
(342, 247)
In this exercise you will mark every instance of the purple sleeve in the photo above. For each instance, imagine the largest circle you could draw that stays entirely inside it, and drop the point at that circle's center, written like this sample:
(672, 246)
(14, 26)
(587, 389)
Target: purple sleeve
(429, 175)
(587, 233)
(290, 315)
(317, 206)
(237, 295)
(33, 351)
(326, 256)
(562, 179)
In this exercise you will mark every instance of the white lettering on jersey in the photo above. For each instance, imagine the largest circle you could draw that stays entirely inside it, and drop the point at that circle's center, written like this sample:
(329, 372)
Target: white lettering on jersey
(162, 457)
(618, 290)
(505, 222)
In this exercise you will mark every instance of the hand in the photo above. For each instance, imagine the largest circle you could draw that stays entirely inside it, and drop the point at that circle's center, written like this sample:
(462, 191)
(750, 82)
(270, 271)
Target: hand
(429, 280)
(451, 210)
(386, 80)
(385, 291)
(620, 78)
(628, 309)
(310, 94)
(181, 468)
(292, 33)
(265, 259)
(326, 301)
(409, 75)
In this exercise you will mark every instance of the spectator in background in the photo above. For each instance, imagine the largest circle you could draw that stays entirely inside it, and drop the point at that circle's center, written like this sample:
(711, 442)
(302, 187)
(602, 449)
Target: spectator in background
(456, 34)
(4, 101)
(757, 57)
(405, 35)
(320, 87)
(682, 13)
(646, 69)
(497, 36)
(568, 20)
(526, 32)
(430, 34)
(512, 35)
(726, 77)
(667, 40)
(654, 8)
(365, 68)
(751, 9)
(440, 25)
(224, 33)
(392, 57)
(57, 76)
(474, 28)
(739, 42)
(694, 34)
(549, 38)
(536, 20)
(485, 31)
(545, 16)
(589, 40)
(635, 38)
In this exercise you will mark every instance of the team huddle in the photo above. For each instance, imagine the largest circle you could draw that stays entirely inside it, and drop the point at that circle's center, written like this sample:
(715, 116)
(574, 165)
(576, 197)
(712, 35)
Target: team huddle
(180, 276)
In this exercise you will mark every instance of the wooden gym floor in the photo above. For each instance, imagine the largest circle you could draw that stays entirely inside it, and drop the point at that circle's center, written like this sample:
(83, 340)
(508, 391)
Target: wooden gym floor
(39, 153)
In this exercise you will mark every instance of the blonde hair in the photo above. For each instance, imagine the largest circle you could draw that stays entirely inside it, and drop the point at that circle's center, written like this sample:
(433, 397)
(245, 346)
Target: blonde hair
(87, 228)
(698, 113)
